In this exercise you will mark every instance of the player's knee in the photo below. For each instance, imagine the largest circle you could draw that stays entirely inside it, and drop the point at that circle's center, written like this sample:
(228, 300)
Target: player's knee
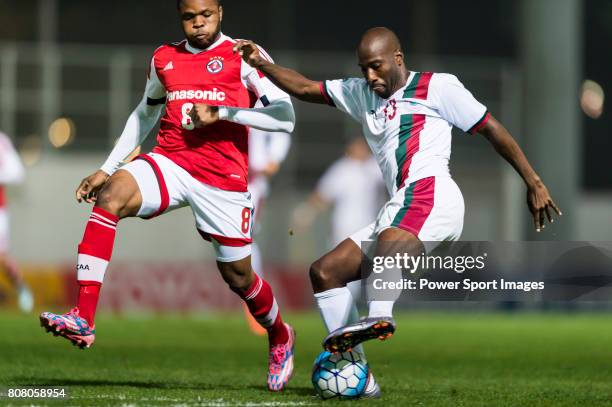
(109, 201)
(113, 200)
(118, 197)
(323, 275)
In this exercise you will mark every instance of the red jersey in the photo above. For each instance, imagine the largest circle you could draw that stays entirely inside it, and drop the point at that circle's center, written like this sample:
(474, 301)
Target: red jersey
(181, 76)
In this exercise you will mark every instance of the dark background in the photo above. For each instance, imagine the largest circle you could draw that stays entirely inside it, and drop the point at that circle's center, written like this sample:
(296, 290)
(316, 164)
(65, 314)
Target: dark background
(475, 28)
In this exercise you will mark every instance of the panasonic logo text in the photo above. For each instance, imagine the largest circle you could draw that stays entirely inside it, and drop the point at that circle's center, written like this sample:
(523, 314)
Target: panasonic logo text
(213, 94)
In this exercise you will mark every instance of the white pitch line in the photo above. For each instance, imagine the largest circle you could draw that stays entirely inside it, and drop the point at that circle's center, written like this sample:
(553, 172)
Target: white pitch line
(199, 402)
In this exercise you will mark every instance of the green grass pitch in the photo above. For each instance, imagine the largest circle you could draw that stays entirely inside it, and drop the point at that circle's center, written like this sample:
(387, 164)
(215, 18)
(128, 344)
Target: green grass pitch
(435, 359)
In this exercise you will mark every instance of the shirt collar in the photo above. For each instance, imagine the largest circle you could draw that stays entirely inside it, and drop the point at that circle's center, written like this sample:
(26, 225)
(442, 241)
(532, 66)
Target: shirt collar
(397, 92)
(194, 50)
(403, 88)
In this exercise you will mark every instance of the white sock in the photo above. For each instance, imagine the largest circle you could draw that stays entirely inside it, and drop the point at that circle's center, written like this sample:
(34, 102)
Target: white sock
(381, 304)
(335, 307)
(338, 308)
(380, 309)
(355, 289)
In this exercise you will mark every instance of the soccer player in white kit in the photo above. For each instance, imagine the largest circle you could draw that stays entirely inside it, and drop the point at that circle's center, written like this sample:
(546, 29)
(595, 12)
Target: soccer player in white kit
(407, 118)
(11, 172)
(354, 187)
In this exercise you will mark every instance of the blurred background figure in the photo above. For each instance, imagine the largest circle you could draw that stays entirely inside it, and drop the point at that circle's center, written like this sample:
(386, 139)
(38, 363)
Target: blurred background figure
(11, 172)
(352, 186)
(354, 190)
(266, 153)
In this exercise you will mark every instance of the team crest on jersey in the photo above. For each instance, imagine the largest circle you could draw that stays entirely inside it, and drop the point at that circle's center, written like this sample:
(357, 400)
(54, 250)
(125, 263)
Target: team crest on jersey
(215, 65)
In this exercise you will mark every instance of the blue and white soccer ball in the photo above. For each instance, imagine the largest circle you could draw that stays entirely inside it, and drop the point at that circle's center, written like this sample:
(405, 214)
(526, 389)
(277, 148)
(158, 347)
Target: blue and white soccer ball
(342, 375)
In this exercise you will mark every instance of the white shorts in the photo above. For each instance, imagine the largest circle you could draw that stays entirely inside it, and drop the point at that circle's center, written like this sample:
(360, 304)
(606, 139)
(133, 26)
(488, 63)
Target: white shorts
(4, 230)
(431, 209)
(223, 217)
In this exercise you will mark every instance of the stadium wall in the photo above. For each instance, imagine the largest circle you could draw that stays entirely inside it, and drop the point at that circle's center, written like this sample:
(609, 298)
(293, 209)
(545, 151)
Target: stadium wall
(47, 223)
(159, 263)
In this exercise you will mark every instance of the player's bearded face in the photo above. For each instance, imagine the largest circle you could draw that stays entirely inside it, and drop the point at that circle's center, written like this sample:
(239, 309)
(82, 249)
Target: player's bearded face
(201, 21)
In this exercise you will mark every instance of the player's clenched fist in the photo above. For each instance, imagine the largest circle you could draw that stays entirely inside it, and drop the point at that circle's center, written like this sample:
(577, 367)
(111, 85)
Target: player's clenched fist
(249, 52)
(203, 115)
(89, 187)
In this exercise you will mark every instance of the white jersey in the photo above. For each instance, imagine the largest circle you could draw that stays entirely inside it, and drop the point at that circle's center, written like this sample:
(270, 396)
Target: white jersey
(355, 188)
(410, 132)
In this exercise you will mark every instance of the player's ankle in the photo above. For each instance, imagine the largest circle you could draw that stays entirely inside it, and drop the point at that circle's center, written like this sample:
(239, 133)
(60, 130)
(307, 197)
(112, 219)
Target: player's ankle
(380, 309)
(278, 334)
(90, 321)
(84, 315)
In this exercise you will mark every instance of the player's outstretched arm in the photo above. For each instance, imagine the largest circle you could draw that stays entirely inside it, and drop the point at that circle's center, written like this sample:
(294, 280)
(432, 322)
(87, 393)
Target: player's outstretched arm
(292, 82)
(275, 117)
(539, 200)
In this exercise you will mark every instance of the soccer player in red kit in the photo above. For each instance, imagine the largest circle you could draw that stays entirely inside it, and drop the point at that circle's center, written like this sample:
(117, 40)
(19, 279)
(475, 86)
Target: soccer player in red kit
(200, 160)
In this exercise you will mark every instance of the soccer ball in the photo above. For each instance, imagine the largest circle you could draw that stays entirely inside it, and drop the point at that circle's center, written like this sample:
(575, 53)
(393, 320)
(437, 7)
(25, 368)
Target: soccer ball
(343, 375)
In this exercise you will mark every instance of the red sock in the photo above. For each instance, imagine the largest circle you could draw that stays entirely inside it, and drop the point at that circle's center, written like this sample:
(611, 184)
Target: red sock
(89, 292)
(262, 305)
(95, 252)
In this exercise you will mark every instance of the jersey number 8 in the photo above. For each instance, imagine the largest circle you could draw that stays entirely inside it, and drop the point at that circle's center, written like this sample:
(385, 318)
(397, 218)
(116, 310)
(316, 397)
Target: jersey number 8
(186, 121)
(246, 220)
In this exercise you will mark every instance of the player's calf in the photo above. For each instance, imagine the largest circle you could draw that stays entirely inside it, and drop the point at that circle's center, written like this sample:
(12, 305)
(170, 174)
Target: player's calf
(259, 299)
(94, 254)
(238, 275)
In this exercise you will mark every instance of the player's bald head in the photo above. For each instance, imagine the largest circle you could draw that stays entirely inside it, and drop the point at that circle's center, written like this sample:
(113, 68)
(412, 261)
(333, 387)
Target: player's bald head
(179, 2)
(378, 41)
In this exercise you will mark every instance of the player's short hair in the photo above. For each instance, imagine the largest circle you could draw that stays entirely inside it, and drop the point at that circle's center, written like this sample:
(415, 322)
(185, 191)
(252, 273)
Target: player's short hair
(178, 3)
